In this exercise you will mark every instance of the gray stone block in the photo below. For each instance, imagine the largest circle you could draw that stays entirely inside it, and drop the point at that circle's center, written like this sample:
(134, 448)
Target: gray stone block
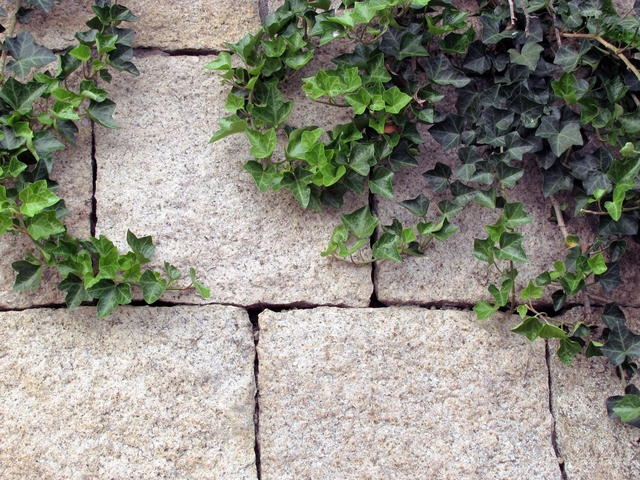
(146, 393)
(593, 446)
(163, 24)
(157, 175)
(72, 170)
(401, 393)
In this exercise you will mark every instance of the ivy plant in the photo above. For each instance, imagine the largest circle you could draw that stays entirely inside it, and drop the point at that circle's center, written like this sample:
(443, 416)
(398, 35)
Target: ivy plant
(42, 97)
(552, 83)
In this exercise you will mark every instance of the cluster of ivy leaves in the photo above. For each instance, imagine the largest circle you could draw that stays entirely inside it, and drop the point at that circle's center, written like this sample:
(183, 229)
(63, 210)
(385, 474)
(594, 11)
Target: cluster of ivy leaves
(38, 113)
(539, 82)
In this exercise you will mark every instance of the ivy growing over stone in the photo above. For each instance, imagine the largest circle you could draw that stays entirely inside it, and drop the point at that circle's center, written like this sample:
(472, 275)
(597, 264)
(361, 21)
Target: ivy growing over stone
(42, 96)
(537, 82)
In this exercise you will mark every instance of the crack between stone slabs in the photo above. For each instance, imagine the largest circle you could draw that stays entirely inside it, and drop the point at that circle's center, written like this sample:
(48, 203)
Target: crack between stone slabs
(253, 318)
(554, 436)
(93, 216)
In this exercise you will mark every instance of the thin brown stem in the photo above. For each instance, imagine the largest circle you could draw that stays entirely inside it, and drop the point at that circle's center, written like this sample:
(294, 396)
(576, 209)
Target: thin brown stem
(559, 217)
(612, 48)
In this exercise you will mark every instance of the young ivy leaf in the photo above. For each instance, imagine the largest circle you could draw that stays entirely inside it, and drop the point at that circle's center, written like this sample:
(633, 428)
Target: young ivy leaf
(203, 291)
(531, 292)
(484, 310)
(262, 144)
(380, 182)
(628, 409)
(36, 197)
(567, 350)
(530, 328)
(386, 248)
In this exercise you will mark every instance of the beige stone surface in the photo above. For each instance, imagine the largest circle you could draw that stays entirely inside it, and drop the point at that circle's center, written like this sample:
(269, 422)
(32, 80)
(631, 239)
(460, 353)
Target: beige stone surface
(145, 393)
(158, 176)
(72, 170)
(593, 446)
(401, 393)
(163, 24)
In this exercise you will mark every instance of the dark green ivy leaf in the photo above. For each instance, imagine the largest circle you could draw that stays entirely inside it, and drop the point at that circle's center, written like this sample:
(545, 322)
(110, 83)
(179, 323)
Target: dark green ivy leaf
(567, 350)
(27, 54)
(440, 71)
(74, 288)
(110, 296)
(153, 286)
(448, 133)
(360, 222)
(555, 179)
(20, 96)
(275, 110)
(102, 113)
(438, 177)
(29, 272)
(386, 247)
(613, 316)
(417, 206)
(622, 343)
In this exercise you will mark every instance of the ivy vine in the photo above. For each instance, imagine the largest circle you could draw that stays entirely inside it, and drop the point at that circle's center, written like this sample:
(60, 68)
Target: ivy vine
(538, 82)
(38, 113)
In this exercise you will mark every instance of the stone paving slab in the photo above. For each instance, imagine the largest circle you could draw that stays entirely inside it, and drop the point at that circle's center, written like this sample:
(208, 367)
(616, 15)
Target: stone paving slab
(593, 446)
(163, 24)
(401, 393)
(157, 175)
(145, 393)
(73, 171)
(449, 274)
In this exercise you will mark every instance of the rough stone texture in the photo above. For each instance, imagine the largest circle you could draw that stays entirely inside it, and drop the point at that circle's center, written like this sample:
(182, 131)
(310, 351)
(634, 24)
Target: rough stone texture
(145, 393)
(164, 24)
(72, 170)
(449, 274)
(401, 393)
(158, 176)
(593, 446)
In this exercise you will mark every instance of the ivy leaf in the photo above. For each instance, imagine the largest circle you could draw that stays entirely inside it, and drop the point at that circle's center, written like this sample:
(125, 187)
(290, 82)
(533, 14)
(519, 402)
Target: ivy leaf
(265, 177)
(554, 180)
(531, 292)
(551, 331)
(567, 350)
(359, 100)
(484, 250)
(444, 231)
(458, 42)
(172, 272)
(262, 144)
(613, 316)
(508, 175)
(610, 279)
(102, 113)
(275, 110)
(528, 56)
(203, 291)
(484, 310)
(491, 30)
(143, 247)
(74, 288)
(360, 222)
(29, 272)
(417, 206)
(110, 295)
(36, 197)
(386, 247)
(628, 408)
(380, 182)
(360, 157)
(27, 54)
(622, 343)
(514, 215)
(152, 286)
(511, 248)
(448, 133)
(530, 328)
(625, 171)
(298, 182)
(440, 71)
(44, 5)
(229, 126)
(43, 225)
(223, 62)
(395, 100)
(501, 296)
(560, 139)
(20, 96)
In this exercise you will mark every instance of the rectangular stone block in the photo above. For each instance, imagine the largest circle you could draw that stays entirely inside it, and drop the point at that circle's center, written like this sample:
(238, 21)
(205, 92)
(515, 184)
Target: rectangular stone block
(157, 175)
(401, 393)
(163, 24)
(145, 393)
(592, 446)
(73, 171)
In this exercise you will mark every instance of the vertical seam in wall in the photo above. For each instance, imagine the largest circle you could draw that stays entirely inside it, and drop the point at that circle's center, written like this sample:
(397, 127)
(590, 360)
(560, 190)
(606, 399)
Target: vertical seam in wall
(554, 435)
(93, 216)
(253, 317)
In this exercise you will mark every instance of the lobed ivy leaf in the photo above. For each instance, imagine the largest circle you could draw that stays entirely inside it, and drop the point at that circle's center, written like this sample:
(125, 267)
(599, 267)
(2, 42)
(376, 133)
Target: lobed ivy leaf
(143, 247)
(29, 272)
(621, 344)
(567, 350)
(448, 133)
(484, 310)
(110, 295)
(380, 182)
(101, 112)
(275, 110)
(153, 286)
(26, 54)
(36, 197)
(417, 206)
(560, 138)
(527, 56)
(511, 248)
(360, 222)
(440, 71)
(76, 293)
(531, 291)
(555, 179)
(43, 225)
(386, 248)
